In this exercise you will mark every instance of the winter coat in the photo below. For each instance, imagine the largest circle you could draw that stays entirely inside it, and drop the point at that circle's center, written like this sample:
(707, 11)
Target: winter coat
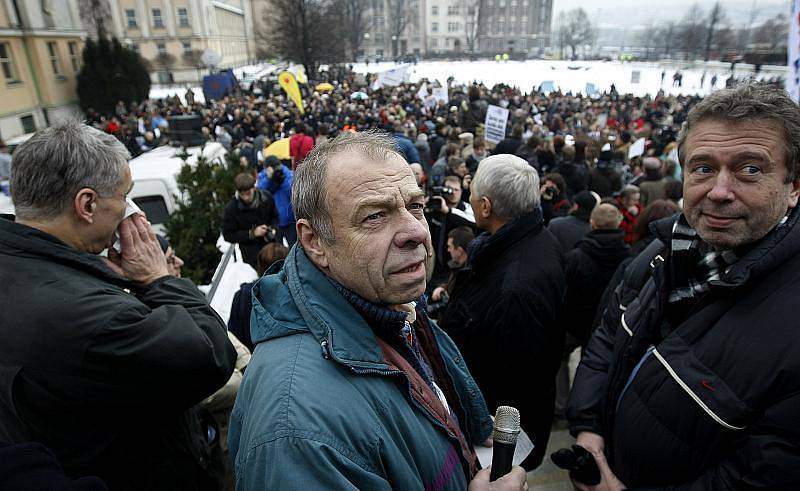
(103, 372)
(326, 404)
(588, 269)
(604, 179)
(240, 219)
(509, 145)
(503, 315)
(407, 148)
(711, 403)
(569, 230)
(281, 193)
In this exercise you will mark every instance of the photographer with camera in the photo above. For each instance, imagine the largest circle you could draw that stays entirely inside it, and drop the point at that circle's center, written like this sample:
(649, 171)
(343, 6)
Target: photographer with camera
(554, 201)
(458, 241)
(444, 212)
(277, 178)
(250, 218)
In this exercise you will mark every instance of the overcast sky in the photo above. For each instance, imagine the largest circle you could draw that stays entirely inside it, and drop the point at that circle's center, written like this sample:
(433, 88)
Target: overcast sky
(607, 12)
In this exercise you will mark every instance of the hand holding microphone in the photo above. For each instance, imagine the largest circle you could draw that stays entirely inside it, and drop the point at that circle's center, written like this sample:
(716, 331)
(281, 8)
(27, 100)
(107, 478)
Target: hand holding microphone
(501, 475)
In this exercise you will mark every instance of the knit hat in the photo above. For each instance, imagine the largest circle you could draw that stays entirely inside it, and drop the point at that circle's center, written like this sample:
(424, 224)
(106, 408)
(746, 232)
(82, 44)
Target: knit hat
(585, 200)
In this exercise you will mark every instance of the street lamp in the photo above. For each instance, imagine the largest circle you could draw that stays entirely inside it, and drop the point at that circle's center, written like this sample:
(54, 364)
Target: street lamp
(394, 47)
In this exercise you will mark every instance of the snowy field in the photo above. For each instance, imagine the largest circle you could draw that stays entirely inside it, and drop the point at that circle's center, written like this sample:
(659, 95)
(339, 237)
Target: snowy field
(568, 75)
(573, 76)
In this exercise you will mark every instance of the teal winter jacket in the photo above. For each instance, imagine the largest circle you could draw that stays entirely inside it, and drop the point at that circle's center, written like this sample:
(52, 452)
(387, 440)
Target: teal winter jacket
(325, 404)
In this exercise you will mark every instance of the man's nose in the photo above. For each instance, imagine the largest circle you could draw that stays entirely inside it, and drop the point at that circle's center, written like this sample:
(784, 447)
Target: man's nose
(722, 189)
(412, 231)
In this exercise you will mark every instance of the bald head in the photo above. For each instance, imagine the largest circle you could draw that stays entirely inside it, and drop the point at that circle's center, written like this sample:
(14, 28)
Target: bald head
(605, 217)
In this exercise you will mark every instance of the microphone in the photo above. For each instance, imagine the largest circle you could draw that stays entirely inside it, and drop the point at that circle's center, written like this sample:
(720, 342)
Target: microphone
(506, 429)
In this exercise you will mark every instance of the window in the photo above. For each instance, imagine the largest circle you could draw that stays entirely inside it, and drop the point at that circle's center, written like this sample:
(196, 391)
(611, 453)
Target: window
(73, 55)
(379, 22)
(435, 10)
(379, 37)
(28, 126)
(130, 14)
(7, 64)
(434, 27)
(162, 48)
(452, 26)
(52, 51)
(187, 46)
(157, 20)
(183, 17)
(434, 43)
(452, 10)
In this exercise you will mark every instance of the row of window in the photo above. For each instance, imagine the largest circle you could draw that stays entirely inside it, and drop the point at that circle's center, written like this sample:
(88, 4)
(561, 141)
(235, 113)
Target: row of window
(161, 48)
(157, 18)
(456, 9)
(11, 74)
(451, 26)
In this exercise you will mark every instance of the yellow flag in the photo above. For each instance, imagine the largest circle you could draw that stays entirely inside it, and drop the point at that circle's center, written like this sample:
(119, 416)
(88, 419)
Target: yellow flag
(289, 85)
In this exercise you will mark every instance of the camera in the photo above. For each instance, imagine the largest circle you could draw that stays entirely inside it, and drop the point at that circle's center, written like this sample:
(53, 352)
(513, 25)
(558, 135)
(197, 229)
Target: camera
(437, 193)
(271, 234)
(580, 464)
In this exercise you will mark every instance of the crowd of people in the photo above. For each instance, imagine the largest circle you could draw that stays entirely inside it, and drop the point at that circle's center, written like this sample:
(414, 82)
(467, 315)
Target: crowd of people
(413, 277)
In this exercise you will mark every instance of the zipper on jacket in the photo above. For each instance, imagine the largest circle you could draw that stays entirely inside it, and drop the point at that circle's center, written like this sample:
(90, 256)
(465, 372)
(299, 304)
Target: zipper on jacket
(633, 374)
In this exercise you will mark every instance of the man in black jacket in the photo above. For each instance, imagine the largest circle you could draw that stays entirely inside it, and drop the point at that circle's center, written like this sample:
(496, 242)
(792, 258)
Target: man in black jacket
(691, 381)
(101, 358)
(250, 218)
(504, 304)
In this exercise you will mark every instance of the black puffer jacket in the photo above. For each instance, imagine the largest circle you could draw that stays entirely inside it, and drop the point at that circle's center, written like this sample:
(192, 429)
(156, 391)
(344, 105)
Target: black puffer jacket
(588, 268)
(713, 403)
(102, 372)
(503, 317)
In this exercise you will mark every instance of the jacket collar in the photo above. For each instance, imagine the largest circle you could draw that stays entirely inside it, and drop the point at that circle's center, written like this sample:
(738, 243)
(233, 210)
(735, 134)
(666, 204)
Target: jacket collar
(24, 241)
(487, 246)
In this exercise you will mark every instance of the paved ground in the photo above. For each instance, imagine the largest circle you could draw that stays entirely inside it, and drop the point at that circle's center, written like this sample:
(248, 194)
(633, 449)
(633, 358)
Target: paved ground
(548, 477)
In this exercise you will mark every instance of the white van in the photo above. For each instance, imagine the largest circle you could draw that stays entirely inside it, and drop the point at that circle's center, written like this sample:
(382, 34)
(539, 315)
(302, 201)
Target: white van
(154, 185)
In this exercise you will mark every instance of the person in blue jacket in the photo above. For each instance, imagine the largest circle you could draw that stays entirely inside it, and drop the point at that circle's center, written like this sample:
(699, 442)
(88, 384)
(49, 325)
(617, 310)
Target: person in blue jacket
(277, 178)
(351, 385)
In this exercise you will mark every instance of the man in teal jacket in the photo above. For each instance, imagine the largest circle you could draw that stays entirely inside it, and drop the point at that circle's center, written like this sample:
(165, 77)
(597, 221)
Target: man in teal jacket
(351, 386)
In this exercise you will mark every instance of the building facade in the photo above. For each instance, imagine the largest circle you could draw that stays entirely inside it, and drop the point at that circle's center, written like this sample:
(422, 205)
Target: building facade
(173, 35)
(520, 28)
(395, 29)
(40, 56)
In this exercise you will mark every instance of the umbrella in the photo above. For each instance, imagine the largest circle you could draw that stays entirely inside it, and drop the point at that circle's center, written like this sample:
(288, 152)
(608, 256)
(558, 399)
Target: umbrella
(279, 149)
(324, 87)
(359, 95)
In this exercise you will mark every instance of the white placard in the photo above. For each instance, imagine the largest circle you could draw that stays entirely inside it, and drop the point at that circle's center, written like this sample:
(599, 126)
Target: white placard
(793, 63)
(496, 119)
(636, 149)
(440, 93)
(636, 76)
(393, 77)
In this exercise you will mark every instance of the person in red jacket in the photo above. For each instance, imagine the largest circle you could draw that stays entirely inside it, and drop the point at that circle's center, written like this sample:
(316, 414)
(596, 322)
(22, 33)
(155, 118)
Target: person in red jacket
(300, 144)
(631, 208)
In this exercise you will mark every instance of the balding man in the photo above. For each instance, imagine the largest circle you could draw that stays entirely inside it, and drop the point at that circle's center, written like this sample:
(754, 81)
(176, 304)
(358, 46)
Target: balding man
(504, 303)
(351, 385)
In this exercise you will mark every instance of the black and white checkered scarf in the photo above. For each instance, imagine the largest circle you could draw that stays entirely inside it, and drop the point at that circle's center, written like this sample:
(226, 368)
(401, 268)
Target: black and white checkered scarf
(695, 265)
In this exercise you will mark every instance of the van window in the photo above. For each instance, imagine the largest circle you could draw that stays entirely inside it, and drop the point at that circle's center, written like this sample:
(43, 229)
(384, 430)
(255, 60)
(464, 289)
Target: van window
(154, 207)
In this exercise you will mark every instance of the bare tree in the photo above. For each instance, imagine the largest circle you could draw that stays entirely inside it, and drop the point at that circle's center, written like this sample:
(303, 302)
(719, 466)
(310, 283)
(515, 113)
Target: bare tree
(648, 39)
(304, 31)
(691, 32)
(664, 38)
(95, 16)
(715, 18)
(773, 32)
(194, 59)
(400, 14)
(353, 23)
(577, 30)
(471, 11)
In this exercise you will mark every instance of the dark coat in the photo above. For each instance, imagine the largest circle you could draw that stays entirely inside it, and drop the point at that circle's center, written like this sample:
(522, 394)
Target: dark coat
(509, 145)
(103, 372)
(502, 315)
(239, 219)
(715, 403)
(569, 230)
(576, 175)
(605, 180)
(588, 269)
(241, 308)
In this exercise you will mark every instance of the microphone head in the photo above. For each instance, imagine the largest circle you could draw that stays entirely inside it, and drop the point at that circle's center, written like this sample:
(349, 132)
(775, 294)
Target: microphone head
(506, 425)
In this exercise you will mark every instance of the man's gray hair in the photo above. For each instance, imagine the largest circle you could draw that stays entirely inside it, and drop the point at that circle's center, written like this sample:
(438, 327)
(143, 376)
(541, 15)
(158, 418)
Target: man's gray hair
(309, 190)
(57, 162)
(747, 103)
(510, 183)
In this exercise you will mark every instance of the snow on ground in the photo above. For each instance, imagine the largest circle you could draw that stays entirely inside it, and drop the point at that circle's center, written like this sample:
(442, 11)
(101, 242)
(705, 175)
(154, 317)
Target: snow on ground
(573, 75)
(159, 92)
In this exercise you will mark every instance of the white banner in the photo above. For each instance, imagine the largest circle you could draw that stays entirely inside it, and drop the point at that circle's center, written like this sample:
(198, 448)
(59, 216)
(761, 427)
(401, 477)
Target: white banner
(496, 119)
(440, 93)
(637, 148)
(393, 77)
(793, 63)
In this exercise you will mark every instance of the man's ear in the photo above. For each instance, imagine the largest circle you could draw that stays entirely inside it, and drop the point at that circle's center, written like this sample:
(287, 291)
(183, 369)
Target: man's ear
(486, 207)
(311, 243)
(85, 205)
(794, 193)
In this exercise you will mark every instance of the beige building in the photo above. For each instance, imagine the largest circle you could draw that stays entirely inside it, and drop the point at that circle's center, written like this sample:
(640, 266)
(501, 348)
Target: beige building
(40, 56)
(173, 34)
(394, 28)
